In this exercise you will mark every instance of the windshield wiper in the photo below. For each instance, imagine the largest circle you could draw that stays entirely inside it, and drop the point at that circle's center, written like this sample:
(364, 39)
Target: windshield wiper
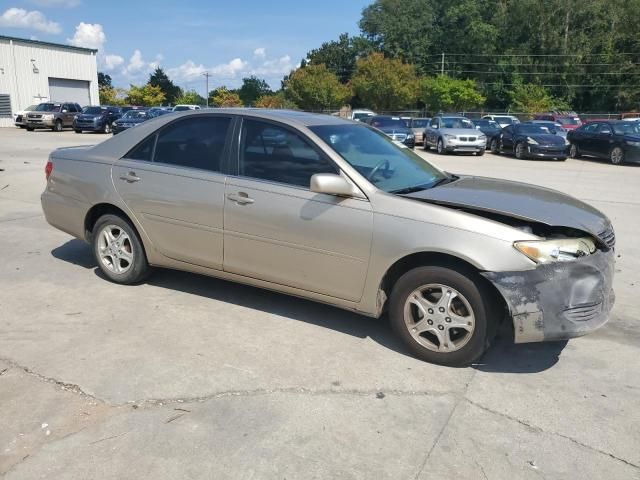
(444, 181)
(404, 191)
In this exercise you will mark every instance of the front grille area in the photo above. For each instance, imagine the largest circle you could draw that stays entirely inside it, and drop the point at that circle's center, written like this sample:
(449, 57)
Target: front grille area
(400, 137)
(467, 139)
(584, 312)
(608, 236)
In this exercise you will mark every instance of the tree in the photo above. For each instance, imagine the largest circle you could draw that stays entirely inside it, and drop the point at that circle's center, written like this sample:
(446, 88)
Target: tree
(340, 56)
(532, 98)
(104, 80)
(385, 83)
(443, 93)
(160, 79)
(191, 97)
(223, 97)
(148, 95)
(316, 88)
(277, 100)
(253, 88)
(112, 96)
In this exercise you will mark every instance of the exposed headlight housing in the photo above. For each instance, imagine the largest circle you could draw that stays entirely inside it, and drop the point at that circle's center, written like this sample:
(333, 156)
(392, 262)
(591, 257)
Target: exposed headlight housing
(531, 141)
(557, 250)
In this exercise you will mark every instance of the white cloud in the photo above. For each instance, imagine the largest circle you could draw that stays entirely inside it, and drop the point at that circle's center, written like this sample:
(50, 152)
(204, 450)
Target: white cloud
(274, 67)
(88, 35)
(56, 3)
(112, 61)
(31, 20)
(190, 71)
(136, 63)
(260, 52)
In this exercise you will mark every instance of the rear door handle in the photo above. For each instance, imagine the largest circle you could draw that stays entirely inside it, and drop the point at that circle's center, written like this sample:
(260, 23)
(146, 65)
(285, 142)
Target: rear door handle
(130, 177)
(240, 198)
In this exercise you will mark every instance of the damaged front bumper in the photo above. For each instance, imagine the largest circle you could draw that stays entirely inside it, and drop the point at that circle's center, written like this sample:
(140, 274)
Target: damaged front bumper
(560, 300)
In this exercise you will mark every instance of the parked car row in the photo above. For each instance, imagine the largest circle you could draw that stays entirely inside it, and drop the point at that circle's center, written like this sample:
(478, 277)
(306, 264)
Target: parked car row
(57, 116)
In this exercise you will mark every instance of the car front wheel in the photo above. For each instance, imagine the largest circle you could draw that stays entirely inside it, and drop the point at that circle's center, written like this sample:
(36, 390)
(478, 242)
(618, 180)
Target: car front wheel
(495, 148)
(520, 151)
(107, 128)
(616, 156)
(440, 147)
(118, 250)
(442, 315)
(57, 127)
(573, 151)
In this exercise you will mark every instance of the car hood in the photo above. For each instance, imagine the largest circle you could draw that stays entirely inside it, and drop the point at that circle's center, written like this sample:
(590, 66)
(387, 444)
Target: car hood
(518, 200)
(547, 139)
(461, 131)
(88, 116)
(130, 120)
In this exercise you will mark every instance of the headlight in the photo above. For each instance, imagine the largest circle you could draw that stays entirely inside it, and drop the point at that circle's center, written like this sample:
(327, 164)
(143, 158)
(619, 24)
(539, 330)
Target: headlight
(483, 138)
(411, 135)
(531, 141)
(633, 144)
(47, 117)
(449, 137)
(567, 142)
(558, 250)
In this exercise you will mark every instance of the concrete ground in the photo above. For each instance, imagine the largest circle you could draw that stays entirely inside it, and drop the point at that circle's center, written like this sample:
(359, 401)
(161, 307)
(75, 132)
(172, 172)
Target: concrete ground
(191, 377)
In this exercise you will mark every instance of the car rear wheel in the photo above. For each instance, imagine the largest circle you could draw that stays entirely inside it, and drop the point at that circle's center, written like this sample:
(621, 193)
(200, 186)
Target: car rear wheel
(573, 151)
(520, 151)
(57, 126)
(78, 131)
(442, 315)
(440, 147)
(118, 250)
(426, 146)
(616, 156)
(494, 147)
(30, 129)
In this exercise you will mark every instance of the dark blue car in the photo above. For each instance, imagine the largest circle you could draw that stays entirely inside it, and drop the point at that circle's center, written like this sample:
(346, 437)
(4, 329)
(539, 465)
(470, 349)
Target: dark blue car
(394, 127)
(96, 119)
(616, 141)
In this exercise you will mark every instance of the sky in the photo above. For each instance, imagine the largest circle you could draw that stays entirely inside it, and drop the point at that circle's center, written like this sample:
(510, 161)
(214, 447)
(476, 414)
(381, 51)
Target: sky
(229, 39)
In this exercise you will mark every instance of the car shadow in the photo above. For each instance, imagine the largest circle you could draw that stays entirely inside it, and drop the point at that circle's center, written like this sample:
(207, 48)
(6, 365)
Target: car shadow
(504, 356)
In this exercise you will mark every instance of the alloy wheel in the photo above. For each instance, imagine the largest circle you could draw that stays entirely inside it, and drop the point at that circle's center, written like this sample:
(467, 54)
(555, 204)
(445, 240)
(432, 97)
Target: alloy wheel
(107, 127)
(115, 249)
(617, 155)
(573, 151)
(439, 318)
(519, 151)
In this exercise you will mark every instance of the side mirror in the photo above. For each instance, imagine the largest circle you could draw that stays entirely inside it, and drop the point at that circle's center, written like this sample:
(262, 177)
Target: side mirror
(64, 110)
(331, 184)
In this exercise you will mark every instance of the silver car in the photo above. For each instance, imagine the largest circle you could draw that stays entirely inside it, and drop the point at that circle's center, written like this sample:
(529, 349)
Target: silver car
(333, 210)
(450, 134)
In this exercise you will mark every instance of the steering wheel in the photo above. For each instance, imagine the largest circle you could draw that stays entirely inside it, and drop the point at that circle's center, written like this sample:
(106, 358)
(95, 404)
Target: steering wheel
(378, 167)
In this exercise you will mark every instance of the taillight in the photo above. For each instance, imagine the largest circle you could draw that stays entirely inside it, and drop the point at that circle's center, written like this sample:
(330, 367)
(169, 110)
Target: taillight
(48, 169)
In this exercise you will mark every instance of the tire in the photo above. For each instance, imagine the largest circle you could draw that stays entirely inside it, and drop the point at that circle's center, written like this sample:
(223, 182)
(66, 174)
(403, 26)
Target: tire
(30, 129)
(57, 126)
(107, 128)
(133, 267)
(494, 146)
(616, 156)
(562, 159)
(22, 126)
(426, 147)
(573, 151)
(440, 147)
(519, 151)
(78, 131)
(472, 297)
(480, 153)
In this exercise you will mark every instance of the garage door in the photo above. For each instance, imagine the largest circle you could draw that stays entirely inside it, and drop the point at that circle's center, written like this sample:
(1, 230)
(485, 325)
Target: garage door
(73, 91)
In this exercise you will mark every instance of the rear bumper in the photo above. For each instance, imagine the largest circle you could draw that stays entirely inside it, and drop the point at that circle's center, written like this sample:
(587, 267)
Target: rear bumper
(558, 301)
(64, 213)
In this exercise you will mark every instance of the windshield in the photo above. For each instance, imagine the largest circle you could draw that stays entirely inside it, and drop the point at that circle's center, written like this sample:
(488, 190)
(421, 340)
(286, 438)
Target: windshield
(486, 124)
(389, 166)
(568, 121)
(383, 122)
(48, 107)
(420, 122)
(31, 108)
(180, 108)
(505, 120)
(359, 115)
(530, 129)
(93, 110)
(456, 122)
(135, 114)
(626, 128)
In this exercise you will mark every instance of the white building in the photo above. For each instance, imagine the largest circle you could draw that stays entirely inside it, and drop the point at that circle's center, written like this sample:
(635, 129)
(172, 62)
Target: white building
(32, 72)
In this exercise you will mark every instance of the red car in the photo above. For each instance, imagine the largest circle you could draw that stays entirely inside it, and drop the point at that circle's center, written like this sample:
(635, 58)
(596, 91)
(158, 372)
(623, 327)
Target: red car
(569, 121)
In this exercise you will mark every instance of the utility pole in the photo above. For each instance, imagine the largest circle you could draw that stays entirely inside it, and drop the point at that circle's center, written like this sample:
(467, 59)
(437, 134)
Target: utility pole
(442, 65)
(206, 76)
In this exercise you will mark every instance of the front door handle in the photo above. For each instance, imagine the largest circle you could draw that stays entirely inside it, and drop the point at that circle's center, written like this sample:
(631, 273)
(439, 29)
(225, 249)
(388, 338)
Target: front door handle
(130, 177)
(241, 198)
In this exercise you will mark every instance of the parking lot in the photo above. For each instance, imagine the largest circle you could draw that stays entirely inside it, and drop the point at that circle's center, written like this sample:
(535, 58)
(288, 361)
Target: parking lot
(186, 376)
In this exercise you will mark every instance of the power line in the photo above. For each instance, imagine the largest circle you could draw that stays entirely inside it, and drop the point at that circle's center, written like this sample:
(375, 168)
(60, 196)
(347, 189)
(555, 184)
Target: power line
(530, 54)
(541, 73)
(533, 64)
(563, 85)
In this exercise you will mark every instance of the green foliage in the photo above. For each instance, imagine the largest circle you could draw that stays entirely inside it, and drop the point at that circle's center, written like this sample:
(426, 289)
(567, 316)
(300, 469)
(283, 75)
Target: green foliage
(385, 83)
(223, 97)
(531, 98)
(112, 96)
(314, 87)
(276, 100)
(340, 56)
(443, 93)
(147, 95)
(191, 97)
(253, 88)
(104, 80)
(160, 79)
